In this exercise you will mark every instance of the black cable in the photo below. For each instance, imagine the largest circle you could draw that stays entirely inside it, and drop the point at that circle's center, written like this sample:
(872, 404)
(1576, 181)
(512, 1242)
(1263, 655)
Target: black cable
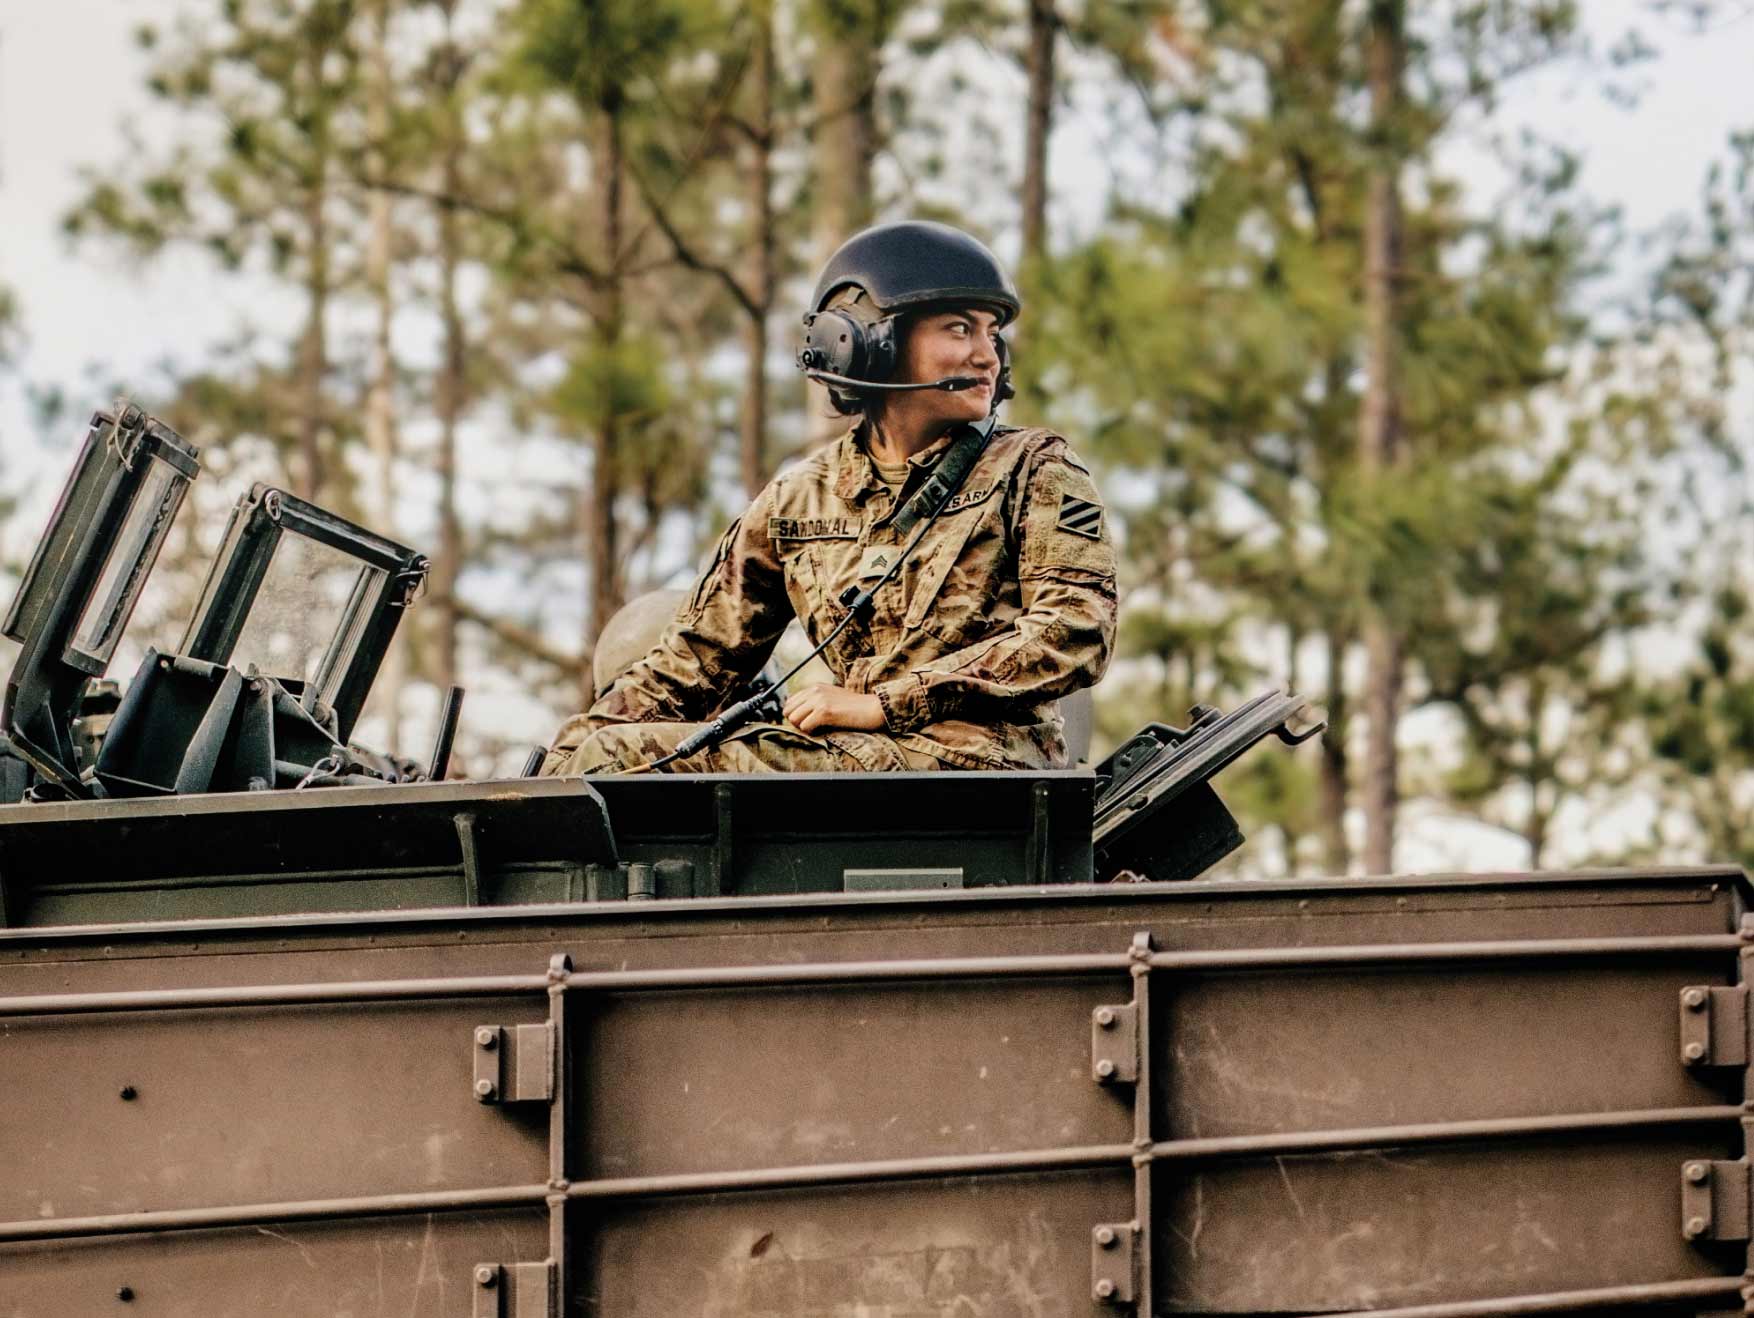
(856, 601)
(950, 384)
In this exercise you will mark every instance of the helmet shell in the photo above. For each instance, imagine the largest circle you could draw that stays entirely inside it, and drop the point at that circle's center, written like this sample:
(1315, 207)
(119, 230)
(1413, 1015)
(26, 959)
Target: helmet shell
(631, 633)
(918, 263)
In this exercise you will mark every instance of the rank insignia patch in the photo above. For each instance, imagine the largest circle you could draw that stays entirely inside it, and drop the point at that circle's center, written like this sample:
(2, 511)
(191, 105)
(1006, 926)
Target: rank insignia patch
(1080, 517)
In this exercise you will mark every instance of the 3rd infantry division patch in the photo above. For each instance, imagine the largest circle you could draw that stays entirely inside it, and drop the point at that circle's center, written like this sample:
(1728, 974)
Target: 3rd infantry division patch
(1080, 517)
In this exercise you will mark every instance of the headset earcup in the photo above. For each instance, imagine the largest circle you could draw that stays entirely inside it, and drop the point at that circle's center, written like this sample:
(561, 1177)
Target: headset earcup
(834, 342)
(1006, 389)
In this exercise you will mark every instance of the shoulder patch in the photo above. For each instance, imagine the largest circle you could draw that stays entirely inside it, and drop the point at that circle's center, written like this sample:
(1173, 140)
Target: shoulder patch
(969, 498)
(812, 528)
(1080, 516)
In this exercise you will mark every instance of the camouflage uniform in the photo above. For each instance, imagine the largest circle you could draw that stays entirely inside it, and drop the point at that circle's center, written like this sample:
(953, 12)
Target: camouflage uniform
(1007, 605)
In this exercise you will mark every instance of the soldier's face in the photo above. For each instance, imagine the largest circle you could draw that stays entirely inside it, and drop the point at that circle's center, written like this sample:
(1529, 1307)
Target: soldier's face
(958, 342)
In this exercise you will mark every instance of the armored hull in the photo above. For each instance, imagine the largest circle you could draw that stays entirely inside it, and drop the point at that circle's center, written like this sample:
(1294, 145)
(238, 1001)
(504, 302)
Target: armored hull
(1446, 1096)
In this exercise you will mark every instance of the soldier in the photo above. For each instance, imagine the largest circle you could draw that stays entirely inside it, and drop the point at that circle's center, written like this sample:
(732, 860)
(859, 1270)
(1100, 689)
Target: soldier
(1006, 604)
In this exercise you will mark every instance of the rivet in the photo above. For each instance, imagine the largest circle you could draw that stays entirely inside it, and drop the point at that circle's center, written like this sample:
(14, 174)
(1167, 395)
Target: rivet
(1138, 802)
(484, 1088)
(128, 1093)
(1697, 1172)
(486, 1037)
(1105, 1017)
(1104, 1289)
(1105, 1068)
(1105, 1236)
(1693, 1052)
(1695, 1227)
(1694, 998)
(486, 1275)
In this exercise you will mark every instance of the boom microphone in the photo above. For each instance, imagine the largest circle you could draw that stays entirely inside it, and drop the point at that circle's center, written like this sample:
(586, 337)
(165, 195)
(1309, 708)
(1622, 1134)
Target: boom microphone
(950, 384)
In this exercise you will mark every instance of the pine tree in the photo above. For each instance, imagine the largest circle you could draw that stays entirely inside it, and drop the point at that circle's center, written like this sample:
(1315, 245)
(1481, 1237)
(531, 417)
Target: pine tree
(264, 86)
(1214, 351)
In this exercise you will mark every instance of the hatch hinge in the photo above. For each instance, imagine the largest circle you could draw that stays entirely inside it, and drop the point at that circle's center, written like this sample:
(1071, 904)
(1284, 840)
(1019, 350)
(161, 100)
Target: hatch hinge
(1714, 1025)
(515, 1290)
(1114, 1044)
(1715, 1203)
(514, 1063)
(1112, 1263)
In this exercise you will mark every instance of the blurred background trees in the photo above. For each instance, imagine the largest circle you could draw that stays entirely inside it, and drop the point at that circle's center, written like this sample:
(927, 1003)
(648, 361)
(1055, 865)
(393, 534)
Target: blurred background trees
(1381, 417)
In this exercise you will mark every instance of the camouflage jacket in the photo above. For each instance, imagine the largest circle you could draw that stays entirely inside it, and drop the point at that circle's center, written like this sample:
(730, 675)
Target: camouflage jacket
(1007, 604)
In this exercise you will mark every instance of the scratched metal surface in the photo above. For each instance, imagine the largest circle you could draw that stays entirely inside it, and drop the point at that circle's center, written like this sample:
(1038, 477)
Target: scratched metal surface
(237, 1106)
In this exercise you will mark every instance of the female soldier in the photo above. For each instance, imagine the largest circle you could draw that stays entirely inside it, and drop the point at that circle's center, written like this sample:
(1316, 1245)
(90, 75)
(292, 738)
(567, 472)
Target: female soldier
(1006, 603)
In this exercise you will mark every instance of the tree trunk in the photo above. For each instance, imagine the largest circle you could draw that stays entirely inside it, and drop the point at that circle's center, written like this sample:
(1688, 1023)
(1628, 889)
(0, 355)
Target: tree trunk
(599, 509)
(449, 387)
(313, 356)
(380, 402)
(1536, 823)
(1043, 29)
(753, 440)
(846, 129)
(1336, 851)
(1379, 425)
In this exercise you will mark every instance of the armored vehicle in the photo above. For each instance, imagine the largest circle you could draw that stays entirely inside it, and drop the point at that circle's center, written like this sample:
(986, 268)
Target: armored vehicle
(291, 1027)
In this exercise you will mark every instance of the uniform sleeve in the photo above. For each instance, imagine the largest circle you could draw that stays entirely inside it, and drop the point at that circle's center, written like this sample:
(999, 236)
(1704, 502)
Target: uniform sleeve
(1064, 636)
(719, 639)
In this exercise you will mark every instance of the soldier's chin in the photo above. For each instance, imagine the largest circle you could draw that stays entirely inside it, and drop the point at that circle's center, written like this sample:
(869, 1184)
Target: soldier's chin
(973, 404)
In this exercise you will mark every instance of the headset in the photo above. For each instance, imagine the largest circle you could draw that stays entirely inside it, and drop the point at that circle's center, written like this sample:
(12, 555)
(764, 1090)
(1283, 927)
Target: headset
(849, 355)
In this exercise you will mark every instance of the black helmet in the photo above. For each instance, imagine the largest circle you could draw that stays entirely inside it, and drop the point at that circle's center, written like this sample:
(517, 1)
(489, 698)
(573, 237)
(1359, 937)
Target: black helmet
(878, 275)
(916, 263)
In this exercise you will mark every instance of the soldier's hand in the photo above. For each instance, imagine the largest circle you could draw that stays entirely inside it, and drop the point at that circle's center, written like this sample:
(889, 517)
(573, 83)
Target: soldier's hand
(821, 706)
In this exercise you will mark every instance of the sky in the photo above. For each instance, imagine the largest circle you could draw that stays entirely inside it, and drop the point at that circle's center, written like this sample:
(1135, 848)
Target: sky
(70, 80)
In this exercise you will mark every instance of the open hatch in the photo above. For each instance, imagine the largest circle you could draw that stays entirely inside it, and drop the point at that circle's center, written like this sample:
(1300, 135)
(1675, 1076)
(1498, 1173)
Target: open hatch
(296, 615)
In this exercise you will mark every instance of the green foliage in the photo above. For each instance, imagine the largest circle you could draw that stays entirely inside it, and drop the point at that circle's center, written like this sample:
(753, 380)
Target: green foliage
(605, 52)
(1203, 341)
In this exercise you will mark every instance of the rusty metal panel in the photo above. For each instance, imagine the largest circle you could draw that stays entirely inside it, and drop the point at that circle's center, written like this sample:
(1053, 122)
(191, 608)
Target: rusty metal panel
(1243, 1054)
(997, 1248)
(716, 1081)
(1417, 1226)
(392, 1266)
(1352, 1095)
(122, 1113)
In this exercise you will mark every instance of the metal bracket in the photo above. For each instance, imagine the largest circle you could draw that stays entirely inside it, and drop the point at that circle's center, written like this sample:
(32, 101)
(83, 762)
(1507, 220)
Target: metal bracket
(1715, 1202)
(1111, 1262)
(1714, 1026)
(515, 1290)
(1114, 1044)
(514, 1064)
(469, 844)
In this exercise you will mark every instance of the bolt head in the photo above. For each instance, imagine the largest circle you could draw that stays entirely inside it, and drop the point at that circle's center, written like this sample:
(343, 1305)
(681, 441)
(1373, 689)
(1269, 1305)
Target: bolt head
(1105, 1068)
(1105, 1236)
(1697, 1172)
(484, 1088)
(1695, 1227)
(1694, 1052)
(1694, 998)
(1104, 1289)
(486, 1275)
(1105, 1017)
(486, 1037)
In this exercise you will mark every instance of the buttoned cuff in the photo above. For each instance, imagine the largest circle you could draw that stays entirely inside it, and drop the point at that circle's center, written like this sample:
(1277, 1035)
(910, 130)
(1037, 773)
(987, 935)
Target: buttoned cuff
(904, 703)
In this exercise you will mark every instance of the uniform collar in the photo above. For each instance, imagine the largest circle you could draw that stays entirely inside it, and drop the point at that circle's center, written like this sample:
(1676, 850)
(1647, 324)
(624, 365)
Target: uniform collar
(856, 474)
